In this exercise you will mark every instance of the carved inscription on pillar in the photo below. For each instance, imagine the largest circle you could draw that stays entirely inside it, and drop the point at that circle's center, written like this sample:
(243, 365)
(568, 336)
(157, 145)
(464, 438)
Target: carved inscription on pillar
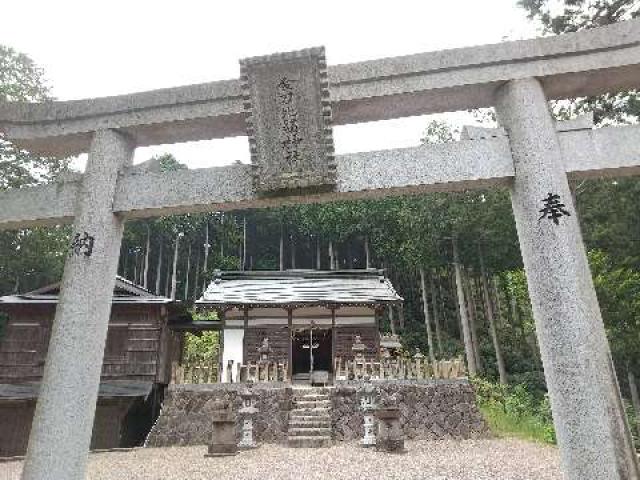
(286, 99)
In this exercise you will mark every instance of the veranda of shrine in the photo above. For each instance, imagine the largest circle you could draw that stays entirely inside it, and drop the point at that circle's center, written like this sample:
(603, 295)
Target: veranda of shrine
(530, 154)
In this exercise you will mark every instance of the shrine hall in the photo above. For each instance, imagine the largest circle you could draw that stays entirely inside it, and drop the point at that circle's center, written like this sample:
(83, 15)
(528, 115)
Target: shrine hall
(304, 319)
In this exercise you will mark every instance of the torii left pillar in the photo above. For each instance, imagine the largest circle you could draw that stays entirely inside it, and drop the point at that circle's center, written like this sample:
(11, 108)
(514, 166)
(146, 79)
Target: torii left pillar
(63, 421)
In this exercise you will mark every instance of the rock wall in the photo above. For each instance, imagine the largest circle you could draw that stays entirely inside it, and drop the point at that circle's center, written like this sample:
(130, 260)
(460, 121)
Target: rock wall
(430, 409)
(185, 417)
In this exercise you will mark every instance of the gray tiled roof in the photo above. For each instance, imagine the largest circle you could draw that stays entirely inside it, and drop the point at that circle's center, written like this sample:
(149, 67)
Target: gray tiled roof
(300, 287)
(125, 291)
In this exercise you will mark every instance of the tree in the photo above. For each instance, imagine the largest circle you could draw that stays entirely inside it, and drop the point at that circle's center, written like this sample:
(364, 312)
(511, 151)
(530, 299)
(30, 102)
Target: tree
(31, 257)
(23, 81)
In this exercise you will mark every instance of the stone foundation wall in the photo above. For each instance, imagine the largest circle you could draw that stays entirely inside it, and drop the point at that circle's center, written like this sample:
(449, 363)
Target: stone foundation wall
(185, 417)
(430, 409)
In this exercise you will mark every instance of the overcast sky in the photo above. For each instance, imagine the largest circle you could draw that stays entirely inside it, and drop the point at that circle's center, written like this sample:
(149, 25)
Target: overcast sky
(95, 49)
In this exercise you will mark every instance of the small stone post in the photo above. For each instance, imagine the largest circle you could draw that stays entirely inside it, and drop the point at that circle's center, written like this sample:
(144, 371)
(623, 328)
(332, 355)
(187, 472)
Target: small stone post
(63, 421)
(247, 415)
(593, 435)
(223, 431)
(368, 404)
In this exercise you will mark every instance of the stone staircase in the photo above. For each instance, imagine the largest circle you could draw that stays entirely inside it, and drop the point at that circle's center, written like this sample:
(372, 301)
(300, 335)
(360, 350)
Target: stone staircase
(310, 418)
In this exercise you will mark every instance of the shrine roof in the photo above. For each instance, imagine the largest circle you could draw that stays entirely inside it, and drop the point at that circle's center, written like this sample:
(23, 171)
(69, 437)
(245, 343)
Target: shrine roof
(125, 291)
(299, 288)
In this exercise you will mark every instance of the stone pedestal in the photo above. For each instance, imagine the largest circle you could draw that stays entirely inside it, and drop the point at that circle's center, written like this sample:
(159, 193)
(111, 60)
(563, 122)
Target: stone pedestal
(61, 432)
(590, 422)
(390, 437)
(223, 433)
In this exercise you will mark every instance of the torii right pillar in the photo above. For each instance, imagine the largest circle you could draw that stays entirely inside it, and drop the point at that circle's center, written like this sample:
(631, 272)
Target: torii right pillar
(591, 427)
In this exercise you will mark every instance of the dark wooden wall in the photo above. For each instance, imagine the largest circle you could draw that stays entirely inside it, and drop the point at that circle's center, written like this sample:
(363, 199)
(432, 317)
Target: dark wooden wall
(16, 417)
(345, 337)
(138, 346)
(278, 341)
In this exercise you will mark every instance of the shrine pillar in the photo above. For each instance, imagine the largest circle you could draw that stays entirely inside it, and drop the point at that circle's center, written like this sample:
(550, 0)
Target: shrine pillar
(590, 423)
(63, 421)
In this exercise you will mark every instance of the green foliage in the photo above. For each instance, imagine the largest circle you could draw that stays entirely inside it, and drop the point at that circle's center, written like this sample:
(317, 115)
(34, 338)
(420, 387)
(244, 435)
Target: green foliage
(22, 81)
(516, 410)
(201, 348)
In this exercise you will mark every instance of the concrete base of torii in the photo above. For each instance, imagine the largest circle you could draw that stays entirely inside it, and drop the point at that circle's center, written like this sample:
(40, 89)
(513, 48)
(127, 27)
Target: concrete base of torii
(591, 427)
(63, 421)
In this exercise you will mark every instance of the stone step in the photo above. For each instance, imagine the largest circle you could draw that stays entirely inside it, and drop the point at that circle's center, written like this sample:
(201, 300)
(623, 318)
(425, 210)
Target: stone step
(312, 404)
(312, 397)
(309, 442)
(308, 424)
(309, 432)
(309, 418)
(309, 411)
(299, 391)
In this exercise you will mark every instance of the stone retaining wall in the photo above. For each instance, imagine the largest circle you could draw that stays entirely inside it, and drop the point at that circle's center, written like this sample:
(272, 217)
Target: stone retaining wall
(185, 417)
(430, 409)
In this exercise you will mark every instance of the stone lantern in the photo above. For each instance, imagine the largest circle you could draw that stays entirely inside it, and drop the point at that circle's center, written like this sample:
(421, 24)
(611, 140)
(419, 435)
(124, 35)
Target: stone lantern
(368, 399)
(247, 415)
(390, 435)
(223, 430)
(358, 350)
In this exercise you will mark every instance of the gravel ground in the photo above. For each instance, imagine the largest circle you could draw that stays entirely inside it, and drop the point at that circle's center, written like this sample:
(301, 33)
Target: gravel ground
(451, 460)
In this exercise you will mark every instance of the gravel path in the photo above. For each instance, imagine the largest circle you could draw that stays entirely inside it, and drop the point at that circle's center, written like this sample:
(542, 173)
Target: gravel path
(451, 460)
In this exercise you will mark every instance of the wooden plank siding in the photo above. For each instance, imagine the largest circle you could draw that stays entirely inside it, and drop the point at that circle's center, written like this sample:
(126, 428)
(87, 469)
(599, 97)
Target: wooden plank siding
(278, 341)
(132, 350)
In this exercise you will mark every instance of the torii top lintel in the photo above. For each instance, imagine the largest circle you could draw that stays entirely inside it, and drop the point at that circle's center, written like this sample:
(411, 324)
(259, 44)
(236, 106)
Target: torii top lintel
(605, 59)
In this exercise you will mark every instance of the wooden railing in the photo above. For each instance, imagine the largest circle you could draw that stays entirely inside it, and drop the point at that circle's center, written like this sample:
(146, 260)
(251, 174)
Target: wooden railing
(262, 372)
(398, 369)
(201, 371)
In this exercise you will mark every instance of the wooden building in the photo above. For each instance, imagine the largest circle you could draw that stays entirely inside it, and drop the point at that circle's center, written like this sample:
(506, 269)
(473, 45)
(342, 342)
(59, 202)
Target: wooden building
(309, 317)
(136, 367)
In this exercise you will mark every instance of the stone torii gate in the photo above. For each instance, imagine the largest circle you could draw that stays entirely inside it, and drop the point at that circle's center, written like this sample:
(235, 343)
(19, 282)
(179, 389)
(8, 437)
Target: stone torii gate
(286, 104)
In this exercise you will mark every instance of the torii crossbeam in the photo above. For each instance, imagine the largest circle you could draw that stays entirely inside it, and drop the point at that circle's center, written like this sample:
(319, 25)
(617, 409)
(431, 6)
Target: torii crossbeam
(277, 98)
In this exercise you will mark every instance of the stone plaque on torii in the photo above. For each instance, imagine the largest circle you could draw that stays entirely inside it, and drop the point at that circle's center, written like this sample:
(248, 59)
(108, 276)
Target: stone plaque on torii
(531, 154)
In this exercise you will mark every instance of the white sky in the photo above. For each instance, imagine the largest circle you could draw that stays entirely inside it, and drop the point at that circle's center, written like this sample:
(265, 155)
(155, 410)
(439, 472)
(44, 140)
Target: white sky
(94, 49)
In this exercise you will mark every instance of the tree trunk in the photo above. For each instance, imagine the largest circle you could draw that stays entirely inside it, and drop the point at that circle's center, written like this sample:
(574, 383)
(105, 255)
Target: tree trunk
(425, 310)
(196, 281)
(205, 263)
(174, 272)
(186, 277)
(471, 305)
(502, 372)
(318, 255)
(147, 250)
(401, 317)
(135, 269)
(349, 256)
(331, 255)
(292, 249)
(166, 278)
(159, 269)
(392, 322)
(244, 243)
(462, 309)
(436, 313)
(635, 398)
(496, 294)
(367, 253)
(281, 247)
